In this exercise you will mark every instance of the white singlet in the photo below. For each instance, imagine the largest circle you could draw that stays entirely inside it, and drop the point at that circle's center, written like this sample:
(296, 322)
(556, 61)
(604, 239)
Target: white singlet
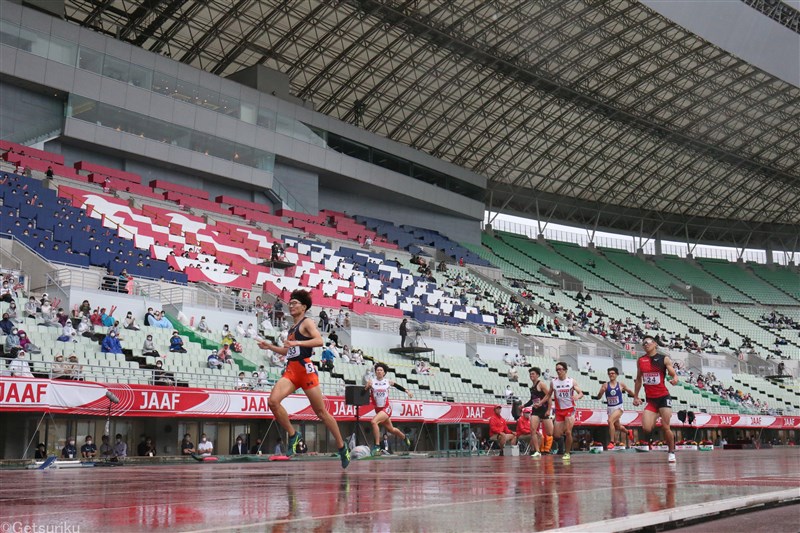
(563, 393)
(380, 393)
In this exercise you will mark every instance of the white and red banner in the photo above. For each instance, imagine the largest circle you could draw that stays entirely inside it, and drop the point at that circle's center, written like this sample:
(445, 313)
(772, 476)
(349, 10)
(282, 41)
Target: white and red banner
(86, 398)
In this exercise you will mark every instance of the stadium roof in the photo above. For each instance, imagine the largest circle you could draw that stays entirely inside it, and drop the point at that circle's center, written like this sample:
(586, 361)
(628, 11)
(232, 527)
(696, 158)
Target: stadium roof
(598, 113)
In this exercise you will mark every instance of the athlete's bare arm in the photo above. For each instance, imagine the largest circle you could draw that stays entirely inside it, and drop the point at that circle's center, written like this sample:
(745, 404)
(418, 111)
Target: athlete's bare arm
(637, 387)
(546, 398)
(576, 389)
(603, 388)
(280, 350)
(627, 390)
(671, 370)
(309, 329)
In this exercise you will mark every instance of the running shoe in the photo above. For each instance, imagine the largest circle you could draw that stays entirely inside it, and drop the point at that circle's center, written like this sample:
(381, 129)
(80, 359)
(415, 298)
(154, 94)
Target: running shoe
(291, 449)
(344, 455)
(671, 458)
(610, 446)
(565, 457)
(630, 435)
(407, 442)
(536, 455)
(376, 450)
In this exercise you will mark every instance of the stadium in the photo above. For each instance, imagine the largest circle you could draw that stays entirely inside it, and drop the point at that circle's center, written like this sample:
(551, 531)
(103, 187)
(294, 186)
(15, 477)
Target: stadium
(467, 191)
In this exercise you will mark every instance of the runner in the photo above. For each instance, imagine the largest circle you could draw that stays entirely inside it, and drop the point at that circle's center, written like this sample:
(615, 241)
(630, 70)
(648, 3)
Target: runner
(653, 368)
(300, 373)
(613, 392)
(539, 415)
(383, 409)
(565, 393)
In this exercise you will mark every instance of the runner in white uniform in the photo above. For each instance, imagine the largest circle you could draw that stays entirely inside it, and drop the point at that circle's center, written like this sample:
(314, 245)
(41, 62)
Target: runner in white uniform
(565, 392)
(383, 410)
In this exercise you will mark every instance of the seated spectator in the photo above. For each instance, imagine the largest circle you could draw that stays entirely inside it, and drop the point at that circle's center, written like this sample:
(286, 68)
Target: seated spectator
(242, 383)
(130, 323)
(334, 338)
(263, 380)
(150, 318)
(225, 354)
(69, 451)
(240, 331)
(12, 311)
(110, 282)
(111, 344)
(499, 431)
(276, 359)
(31, 308)
(41, 451)
(146, 448)
(176, 343)
(6, 325)
(509, 359)
(89, 448)
(106, 450)
(107, 318)
(202, 326)
(513, 374)
(161, 377)
(214, 361)
(26, 344)
(509, 394)
(59, 370)
(250, 332)
(5, 293)
(19, 367)
(422, 368)
(149, 347)
(11, 343)
(227, 336)
(239, 448)
(346, 354)
(480, 362)
(524, 426)
(74, 368)
(187, 446)
(68, 333)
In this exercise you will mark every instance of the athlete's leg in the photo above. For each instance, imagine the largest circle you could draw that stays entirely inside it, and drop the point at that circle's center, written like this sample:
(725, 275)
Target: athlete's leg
(614, 425)
(568, 423)
(283, 388)
(558, 430)
(547, 434)
(535, 433)
(666, 415)
(388, 426)
(376, 421)
(317, 402)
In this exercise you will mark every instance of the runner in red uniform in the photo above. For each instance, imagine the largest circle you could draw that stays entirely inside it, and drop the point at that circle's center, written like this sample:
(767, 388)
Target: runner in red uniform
(565, 392)
(301, 373)
(383, 409)
(653, 368)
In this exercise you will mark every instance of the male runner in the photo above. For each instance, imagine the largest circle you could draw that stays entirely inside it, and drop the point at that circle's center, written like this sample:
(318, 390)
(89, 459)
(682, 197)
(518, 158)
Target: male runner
(565, 393)
(653, 369)
(613, 391)
(300, 373)
(539, 415)
(383, 410)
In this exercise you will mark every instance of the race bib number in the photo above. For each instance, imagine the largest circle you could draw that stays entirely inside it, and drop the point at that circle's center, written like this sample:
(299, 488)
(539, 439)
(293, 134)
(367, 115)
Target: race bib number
(294, 351)
(564, 394)
(652, 378)
(310, 369)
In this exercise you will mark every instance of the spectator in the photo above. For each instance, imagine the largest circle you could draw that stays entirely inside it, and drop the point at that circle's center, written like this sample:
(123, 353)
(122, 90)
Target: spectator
(74, 369)
(225, 354)
(106, 450)
(202, 326)
(257, 448)
(12, 311)
(85, 328)
(130, 322)
(324, 324)
(161, 320)
(357, 356)
(149, 347)
(499, 431)
(403, 332)
(68, 334)
(19, 367)
(11, 343)
(205, 447)
(250, 332)
(187, 446)
(89, 448)
(513, 374)
(120, 450)
(334, 338)
(58, 370)
(422, 368)
(263, 380)
(146, 448)
(69, 451)
(240, 331)
(111, 344)
(239, 448)
(214, 361)
(480, 362)
(150, 318)
(5, 293)
(176, 343)
(41, 451)
(161, 377)
(107, 318)
(524, 426)
(242, 383)
(6, 325)
(326, 364)
(278, 447)
(509, 394)
(31, 307)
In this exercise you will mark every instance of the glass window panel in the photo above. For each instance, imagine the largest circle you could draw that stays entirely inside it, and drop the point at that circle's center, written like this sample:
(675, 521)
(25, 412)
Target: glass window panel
(163, 83)
(9, 34)
(185, 92)
(62, 51)
(33, 42)
(285, 126)
(229, 106)
(249, 113)
(208, 99)
(91, 60)
(140, 77)
(115, 69)
(267, 119)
